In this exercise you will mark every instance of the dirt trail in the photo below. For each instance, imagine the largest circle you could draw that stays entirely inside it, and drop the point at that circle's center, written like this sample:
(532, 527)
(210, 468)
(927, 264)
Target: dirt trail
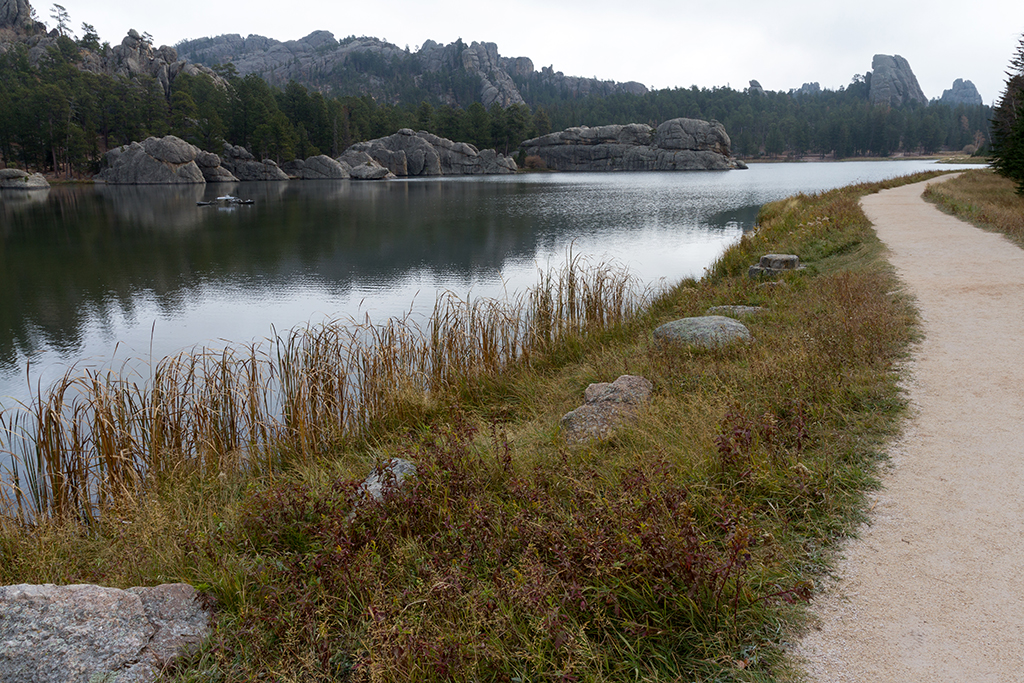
(933, 590)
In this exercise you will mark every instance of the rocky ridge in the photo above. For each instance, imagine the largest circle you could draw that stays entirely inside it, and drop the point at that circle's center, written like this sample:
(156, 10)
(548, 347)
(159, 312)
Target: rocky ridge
(135, 56)
(320, 61)
(676, 145)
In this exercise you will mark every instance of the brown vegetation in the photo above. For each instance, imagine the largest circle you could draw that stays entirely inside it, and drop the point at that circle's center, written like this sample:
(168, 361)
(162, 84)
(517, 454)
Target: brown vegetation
(673, 550)
(984, 198)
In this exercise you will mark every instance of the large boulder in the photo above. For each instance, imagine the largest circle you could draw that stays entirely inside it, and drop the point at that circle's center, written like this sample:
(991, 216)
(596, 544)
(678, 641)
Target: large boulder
(413, 154)
(244, 166)
(893, 82)
(322, 167)
(607, 406)
(362, 166)
(676, 145)
(84, 633)
(156, 161)
(16, 179)
(708, 332)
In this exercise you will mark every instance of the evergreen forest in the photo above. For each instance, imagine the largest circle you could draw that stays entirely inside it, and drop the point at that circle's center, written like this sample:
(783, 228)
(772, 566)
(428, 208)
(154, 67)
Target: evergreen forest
(58, 118)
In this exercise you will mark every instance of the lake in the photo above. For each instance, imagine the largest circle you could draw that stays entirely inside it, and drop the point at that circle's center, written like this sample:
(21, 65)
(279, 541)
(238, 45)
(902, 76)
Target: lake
(95, 276)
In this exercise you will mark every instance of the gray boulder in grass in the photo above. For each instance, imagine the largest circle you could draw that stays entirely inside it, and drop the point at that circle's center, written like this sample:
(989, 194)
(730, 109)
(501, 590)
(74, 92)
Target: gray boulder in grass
(708, 332)
(607, 406)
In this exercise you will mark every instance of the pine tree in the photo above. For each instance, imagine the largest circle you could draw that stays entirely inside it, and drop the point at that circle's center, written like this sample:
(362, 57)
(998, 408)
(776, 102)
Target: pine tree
(1008, 124)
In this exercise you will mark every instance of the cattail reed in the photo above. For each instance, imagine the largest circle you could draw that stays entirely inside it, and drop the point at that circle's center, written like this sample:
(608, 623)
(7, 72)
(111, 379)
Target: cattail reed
(92, 439)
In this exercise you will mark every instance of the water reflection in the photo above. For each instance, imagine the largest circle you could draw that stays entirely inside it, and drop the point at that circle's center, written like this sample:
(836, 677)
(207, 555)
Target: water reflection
(86, 268)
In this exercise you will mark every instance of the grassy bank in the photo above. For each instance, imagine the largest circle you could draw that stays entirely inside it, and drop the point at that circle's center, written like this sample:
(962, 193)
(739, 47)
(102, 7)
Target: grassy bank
(678, 549)
(984, 198)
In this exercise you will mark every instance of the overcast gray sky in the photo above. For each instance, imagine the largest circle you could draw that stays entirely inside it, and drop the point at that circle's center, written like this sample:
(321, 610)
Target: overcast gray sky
(661, 43)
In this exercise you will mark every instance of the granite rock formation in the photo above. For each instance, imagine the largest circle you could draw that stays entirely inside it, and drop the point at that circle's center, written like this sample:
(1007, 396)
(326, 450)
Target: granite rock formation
(362, 166)
(755, 88)
(15, 14)
(409, 153)
(84, 633)
(893, 82)
(322, 167)
(156, 161)
(962, 92)
(675, 145)
(134, 57)
(16, 179)
(318, 60)
(244, 166)
(807, 89)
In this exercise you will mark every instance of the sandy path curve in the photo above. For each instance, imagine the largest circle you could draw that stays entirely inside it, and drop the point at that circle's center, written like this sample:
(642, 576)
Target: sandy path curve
(933, 590)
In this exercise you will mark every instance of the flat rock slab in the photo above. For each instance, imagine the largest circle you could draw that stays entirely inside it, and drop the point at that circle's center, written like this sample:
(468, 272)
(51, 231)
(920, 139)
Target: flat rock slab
(708, 332)
(91, 634)
(607, 406)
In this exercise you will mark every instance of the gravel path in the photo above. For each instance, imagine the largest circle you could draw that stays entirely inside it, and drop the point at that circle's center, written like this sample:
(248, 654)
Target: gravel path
(933, 589)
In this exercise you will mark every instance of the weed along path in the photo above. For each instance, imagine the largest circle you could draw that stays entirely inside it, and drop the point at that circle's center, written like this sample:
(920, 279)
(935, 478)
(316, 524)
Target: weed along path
(933, 589)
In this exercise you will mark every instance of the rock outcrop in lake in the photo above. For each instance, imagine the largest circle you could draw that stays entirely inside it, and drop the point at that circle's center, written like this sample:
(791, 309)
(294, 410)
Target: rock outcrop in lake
(962, 92)
(16, 179)
(676, 145)
(156, 161)
(893, 82)
(244, 166)
(410, 154)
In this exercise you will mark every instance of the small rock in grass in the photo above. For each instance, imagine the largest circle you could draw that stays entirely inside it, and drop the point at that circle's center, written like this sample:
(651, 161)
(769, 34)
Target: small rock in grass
(607, 406)
(394, 473)
(708, 332)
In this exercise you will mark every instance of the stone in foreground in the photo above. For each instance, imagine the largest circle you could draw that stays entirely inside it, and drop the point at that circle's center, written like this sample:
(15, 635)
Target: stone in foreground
(708, 332)
(771, 265)
(607, 406)
(85, 633)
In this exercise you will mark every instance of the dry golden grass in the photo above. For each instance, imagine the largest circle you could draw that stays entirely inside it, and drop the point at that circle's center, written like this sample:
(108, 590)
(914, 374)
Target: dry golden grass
(671, 551)
(984, 198)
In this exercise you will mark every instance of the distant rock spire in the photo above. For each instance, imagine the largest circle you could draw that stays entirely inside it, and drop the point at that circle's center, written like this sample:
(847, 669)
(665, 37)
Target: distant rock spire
(962, 92)
(893, 82)
(15, 14)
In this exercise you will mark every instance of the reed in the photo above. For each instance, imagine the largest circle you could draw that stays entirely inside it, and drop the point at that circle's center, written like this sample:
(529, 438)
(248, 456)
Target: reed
(94, 438)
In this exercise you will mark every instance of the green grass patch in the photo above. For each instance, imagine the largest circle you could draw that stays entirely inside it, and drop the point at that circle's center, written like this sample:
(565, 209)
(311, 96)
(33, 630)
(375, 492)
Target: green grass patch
(679, 549)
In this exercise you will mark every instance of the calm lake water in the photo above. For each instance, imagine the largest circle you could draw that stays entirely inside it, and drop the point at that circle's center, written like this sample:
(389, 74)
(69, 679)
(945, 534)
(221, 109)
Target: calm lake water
(95, 276)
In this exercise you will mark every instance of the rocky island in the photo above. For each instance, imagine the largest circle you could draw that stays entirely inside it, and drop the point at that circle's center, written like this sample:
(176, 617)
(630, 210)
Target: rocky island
(676, 145)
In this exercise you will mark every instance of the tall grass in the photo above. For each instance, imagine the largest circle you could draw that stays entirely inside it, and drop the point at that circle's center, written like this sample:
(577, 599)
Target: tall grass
(94, 437)
(675, 550)
(984, 198)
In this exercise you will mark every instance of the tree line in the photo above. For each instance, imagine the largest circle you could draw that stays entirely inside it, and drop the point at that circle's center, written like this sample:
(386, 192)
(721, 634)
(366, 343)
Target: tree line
(842, 123)
(1008, 123)
(59, 118)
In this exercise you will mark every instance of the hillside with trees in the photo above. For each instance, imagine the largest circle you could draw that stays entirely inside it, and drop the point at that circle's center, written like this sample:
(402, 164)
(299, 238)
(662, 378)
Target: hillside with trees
(65, 100)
